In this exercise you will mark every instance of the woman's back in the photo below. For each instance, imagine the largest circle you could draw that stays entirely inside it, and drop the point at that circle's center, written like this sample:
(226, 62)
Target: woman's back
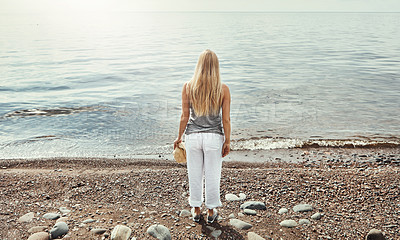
(207, 124)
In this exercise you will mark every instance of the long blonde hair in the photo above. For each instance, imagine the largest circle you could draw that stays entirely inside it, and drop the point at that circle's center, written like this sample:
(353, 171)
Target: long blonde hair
(205, 85)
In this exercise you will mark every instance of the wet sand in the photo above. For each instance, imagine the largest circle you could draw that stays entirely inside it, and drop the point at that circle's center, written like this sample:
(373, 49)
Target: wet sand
(356, 190)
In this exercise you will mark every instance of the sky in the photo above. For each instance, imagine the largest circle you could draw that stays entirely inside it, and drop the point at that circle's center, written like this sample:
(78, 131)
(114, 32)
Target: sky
(25, 6)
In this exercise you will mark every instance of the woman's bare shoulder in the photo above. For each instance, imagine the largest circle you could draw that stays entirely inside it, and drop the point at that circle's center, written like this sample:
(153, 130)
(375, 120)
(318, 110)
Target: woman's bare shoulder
(225, 88)
(186, 89)
(186, 85)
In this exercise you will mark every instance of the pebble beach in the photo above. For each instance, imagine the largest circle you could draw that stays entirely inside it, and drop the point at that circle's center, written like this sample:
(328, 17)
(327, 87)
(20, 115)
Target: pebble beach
(324, 193)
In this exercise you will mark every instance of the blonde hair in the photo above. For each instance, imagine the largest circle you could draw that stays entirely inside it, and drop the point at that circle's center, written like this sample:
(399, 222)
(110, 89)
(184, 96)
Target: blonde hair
(205, 85)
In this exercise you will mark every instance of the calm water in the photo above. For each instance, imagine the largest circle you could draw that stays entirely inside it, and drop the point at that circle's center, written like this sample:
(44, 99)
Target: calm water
(109, 85)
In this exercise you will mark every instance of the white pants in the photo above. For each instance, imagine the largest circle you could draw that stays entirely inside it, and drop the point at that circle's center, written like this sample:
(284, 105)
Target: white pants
(204, 160)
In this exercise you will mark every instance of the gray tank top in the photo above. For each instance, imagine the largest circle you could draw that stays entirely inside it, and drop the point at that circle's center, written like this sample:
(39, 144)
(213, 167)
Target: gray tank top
(204, 124)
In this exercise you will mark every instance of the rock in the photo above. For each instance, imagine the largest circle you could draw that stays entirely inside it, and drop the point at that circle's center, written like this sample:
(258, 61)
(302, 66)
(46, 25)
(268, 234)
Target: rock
(231, 215)
(231, 197)
(288, 223)
(304, 221)
(59, 229)
(242, 196)
(64, 210)
(98, 231)
(52, 216)
(254, 236)
(39, 236)
(216, 233)
(375, 234)
(250, 211)
(210, 228)
(62, 219)
(240, 224)
(159, 231)
(240, 214)
(89, 221)
(283, 210)
(253, 205)
(302, 208)
(185, 213)
(26, 218)
(390, 226)
(121, 232)
(37, 229)
(316, 216)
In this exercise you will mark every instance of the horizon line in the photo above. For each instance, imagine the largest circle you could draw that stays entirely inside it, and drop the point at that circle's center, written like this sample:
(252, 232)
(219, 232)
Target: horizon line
(209, 11)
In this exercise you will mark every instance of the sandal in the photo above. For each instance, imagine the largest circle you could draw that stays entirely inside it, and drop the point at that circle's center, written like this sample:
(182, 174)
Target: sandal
(211, 219)
(196, 217)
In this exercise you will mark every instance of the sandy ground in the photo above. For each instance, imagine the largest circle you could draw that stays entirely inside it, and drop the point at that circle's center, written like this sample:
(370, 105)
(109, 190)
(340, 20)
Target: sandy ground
(355, 190)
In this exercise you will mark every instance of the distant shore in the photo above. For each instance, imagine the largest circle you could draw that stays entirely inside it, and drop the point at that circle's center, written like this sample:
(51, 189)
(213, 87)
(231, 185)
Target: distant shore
(355, 190)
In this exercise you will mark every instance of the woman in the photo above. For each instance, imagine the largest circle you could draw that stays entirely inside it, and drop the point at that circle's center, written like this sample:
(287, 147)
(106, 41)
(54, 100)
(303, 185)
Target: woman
(206, 143)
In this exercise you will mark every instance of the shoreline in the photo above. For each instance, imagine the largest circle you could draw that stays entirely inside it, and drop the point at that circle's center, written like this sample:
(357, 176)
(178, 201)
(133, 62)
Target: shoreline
(290, 155)
(354, 193)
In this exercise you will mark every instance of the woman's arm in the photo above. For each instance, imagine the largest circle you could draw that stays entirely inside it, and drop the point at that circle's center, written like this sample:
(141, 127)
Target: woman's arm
(184, 116)
(226, 119)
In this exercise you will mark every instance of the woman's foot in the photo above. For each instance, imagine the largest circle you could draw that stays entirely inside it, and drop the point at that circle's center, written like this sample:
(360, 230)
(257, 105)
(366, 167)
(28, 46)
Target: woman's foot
(212, 214)
(196, 214)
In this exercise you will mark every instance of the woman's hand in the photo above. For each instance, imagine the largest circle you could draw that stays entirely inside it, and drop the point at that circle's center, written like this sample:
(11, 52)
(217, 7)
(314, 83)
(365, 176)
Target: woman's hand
(226, 148)
(176, 142)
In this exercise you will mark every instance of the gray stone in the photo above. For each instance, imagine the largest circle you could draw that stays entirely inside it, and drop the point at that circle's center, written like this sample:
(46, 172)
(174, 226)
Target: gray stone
(242, 196)
(240, 224)
(304, 221)
(288, 223)
(64, 210)
(316, 216)
(231, 215)
(210, 228)
(52, 216)
(231, 197)
(98, 231)
(26, 218)
(375, 234)
(283, 210)
(253, 205)
(240, 214)
(39, 236)
(254, 236)
(59, 230)
(89, 221)
(302, 208)
(121, 232)
(185, 213)
(159, 231)
(62, 219)
(250, 211)
(216, 233)
(37, 229)
(390, 226)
